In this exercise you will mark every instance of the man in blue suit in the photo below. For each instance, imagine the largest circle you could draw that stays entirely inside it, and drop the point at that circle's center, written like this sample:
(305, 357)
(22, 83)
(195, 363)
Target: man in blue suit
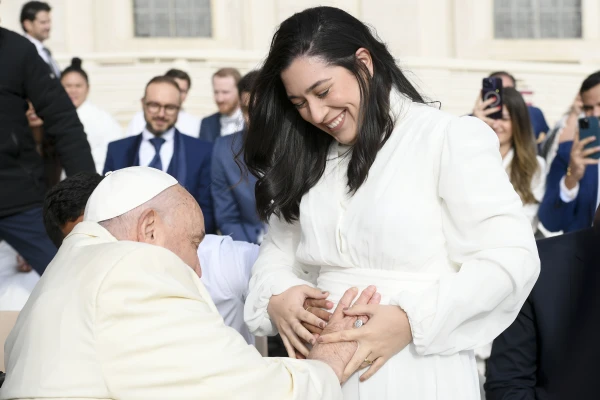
(572, 185)
(233, 195)
(162, 146)
(229, 119)
(528, 358)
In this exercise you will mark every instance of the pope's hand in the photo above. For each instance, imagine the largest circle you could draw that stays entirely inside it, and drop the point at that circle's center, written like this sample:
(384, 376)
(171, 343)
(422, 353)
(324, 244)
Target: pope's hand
(337, 355)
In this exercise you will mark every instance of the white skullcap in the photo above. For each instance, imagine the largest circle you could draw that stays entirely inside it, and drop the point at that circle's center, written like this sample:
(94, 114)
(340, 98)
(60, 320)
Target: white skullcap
(123, 190)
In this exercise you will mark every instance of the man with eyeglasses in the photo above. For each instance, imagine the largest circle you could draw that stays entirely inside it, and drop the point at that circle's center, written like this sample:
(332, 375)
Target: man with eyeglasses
(187, 123)
(162, 146)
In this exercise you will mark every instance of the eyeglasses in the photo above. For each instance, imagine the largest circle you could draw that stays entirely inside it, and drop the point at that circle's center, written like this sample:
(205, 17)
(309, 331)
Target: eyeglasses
(154, 108)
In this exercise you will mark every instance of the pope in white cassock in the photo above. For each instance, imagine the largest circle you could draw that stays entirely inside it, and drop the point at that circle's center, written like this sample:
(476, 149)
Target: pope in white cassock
(121, 313)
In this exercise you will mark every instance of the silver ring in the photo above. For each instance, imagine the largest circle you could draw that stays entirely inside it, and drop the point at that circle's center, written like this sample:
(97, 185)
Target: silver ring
(358, 323)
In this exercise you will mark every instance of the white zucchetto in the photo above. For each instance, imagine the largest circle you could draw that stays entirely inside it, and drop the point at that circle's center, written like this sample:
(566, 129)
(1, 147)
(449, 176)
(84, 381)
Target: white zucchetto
(123, 190)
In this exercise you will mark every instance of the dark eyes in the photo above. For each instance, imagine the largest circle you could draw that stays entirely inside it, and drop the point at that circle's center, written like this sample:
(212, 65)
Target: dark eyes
(321, 95)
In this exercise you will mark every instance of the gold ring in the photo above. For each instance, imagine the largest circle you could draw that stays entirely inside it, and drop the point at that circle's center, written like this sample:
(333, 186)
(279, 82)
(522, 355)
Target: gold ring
(306, 309)
(367, 361)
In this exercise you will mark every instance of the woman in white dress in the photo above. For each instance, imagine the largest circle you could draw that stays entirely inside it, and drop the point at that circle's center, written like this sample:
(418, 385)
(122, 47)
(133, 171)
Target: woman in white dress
(363, 183)
(101, 128)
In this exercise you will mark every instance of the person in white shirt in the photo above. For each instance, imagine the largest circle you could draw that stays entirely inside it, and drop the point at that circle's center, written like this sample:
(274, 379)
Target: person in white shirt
(229, 119)
(36, 22)
(186, 123)
(101, 128)
(526, 170)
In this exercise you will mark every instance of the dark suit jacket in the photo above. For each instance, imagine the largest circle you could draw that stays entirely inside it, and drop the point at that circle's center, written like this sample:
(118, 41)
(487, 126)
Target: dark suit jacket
(235, 204)
(190, 165)
(555, 214)
(24, 75)
(210, 128)
(527, 357)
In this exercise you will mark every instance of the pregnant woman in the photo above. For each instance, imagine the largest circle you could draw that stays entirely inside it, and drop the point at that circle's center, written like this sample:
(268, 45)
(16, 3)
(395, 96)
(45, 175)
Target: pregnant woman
(363, 183)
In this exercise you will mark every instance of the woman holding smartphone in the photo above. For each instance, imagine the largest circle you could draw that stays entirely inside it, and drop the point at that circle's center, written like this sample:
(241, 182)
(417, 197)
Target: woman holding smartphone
(525, 169)
(363, 183)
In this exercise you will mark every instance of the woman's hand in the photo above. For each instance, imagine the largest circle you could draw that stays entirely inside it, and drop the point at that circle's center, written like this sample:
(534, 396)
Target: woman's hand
(479, 110)
(288, 313)
(317, 307)
(385, 334)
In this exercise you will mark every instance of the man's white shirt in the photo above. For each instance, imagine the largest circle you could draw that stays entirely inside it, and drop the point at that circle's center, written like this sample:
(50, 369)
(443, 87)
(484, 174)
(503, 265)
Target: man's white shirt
(568, 195)
(147, 150)
(226, 268)
(41, 49)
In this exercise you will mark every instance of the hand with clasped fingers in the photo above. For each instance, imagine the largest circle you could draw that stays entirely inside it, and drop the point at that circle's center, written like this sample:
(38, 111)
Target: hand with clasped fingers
(338, 355)
(386, 334)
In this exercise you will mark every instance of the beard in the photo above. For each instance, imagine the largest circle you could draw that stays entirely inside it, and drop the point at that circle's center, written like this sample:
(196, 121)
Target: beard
(228, 108)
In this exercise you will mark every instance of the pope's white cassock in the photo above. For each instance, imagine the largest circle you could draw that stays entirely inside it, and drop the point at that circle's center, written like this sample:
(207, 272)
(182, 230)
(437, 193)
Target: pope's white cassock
(126, 320)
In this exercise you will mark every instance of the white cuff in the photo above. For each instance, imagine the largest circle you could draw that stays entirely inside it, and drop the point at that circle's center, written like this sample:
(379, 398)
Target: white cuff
(567, 195)
(420, 311)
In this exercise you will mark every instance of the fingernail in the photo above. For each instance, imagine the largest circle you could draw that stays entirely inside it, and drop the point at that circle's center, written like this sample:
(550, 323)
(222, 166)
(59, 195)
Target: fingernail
(312, 342)
(322, 325)
(345, 309)
(320, 340)
(329, 304)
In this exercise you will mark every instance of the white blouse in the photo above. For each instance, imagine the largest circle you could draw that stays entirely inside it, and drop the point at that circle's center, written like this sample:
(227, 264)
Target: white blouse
(437, 226)
(101, 129)
(538, 187)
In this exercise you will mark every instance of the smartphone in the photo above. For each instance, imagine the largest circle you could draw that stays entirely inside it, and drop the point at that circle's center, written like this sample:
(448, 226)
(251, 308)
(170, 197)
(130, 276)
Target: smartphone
(492, 88)
(589, 126)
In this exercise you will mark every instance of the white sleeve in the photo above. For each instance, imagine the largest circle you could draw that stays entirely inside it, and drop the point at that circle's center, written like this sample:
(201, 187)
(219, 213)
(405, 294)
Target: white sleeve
(169, 342)
(246, 255)
(488, 239)
(568, 195)
(275, 271)
(538, 188)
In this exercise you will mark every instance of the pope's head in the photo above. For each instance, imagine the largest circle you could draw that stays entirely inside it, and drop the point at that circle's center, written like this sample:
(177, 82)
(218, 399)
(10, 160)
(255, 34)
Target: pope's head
(146, 205)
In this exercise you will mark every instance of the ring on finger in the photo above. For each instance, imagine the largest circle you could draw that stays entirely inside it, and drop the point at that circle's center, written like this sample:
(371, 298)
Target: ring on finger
(358, 323)
(306, 309)
(367, 361)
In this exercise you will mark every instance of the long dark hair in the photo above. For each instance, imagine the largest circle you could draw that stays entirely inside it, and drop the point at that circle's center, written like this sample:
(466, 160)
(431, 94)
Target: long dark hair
(289, 154)
(524, 164)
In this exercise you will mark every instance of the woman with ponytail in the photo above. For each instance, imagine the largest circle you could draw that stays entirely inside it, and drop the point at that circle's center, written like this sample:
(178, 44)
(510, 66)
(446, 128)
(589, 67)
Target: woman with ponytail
(101, 128)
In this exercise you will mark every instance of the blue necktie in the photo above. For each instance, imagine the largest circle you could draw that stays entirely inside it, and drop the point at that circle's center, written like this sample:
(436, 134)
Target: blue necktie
(156, 162)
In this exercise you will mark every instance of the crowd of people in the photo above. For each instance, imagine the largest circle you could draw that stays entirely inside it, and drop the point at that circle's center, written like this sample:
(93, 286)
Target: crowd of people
(276, 211)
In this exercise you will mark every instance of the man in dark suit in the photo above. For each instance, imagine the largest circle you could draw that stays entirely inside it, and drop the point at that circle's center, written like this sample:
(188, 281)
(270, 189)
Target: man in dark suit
(162, 146)
(229, 119)
(528, 359)
(571, 196)
(233, 195)
(24, 75)
(37, 23)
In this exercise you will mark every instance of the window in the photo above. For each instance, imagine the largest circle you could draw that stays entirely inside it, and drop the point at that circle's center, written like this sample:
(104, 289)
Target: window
(537, 19)
(172, 18)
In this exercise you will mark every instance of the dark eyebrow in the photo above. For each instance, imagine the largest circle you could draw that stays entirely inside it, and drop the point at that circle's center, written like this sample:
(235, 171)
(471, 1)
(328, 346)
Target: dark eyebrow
(311, 87)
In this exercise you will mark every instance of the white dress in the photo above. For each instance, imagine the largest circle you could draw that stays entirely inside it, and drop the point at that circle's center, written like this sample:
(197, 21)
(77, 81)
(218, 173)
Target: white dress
(101, 129)
(437, 227)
